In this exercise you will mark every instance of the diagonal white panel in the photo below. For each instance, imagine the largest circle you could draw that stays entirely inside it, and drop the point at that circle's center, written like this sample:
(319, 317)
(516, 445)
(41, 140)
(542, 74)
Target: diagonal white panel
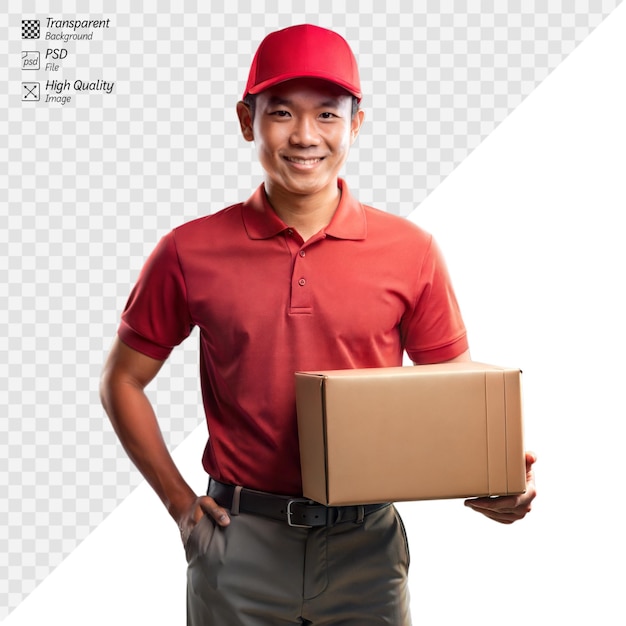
(531, 225)
(534, 211)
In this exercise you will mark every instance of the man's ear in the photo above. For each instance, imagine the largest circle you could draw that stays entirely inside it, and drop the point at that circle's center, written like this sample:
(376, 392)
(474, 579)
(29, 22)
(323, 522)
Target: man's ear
(245, 120)
(356, 123)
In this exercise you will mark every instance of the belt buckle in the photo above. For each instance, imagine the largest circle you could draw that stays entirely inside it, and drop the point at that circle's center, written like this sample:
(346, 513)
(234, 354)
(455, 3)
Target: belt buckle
(290, 512)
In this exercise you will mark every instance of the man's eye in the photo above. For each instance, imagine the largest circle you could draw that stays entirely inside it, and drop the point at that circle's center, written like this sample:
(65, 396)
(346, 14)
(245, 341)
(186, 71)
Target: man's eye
(280, 113)
(327, 115)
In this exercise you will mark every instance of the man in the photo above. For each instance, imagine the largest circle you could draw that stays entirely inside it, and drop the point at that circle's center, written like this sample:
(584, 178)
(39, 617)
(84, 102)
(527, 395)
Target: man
(301, 276)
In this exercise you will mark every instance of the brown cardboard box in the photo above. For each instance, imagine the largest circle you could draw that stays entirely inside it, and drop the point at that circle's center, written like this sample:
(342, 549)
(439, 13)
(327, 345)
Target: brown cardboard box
(451, 430)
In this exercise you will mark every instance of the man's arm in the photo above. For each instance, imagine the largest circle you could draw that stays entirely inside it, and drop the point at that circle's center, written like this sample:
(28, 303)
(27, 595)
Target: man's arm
(125, 375)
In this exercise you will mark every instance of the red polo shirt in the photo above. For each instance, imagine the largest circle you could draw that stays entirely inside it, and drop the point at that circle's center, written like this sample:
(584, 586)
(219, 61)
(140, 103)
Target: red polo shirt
(268, 304)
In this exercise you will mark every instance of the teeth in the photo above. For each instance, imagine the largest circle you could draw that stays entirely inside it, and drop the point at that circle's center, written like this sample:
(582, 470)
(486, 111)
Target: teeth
(303, 161)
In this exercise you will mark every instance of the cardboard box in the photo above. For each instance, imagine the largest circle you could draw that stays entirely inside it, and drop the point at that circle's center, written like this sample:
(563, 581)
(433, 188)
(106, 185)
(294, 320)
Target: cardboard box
(451, 430)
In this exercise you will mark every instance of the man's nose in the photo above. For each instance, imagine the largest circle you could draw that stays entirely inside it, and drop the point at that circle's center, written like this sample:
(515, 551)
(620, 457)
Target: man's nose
(305, 132)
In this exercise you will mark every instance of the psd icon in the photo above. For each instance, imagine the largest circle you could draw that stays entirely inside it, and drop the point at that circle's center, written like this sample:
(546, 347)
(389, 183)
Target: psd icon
(30, 29)
(30, 60)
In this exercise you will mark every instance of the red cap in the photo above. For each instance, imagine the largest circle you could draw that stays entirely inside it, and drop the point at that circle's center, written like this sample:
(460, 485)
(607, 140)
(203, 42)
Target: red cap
(304, 51)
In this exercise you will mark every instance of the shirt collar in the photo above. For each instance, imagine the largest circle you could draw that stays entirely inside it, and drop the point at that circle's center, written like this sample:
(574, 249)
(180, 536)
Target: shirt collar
(261, 221)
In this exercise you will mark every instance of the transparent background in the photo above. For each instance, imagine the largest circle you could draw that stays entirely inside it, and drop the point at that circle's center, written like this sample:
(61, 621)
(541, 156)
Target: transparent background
(87, 188)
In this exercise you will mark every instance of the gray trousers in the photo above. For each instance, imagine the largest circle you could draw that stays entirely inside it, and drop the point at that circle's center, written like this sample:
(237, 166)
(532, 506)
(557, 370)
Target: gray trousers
(261, 572)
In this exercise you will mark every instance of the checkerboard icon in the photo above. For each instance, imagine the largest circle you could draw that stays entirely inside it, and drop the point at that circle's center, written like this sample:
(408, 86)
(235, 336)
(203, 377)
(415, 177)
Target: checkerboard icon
(30, 29)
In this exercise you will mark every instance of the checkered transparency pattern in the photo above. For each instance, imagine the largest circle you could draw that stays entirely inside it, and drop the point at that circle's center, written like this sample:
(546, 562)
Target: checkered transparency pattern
(31, 29)
(87, 188)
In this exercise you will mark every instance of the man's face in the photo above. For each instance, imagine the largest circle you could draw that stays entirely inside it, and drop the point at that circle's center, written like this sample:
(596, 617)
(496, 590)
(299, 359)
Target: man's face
(303, 130)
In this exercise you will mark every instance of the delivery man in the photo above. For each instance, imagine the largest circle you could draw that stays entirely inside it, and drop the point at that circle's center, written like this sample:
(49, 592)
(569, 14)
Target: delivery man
(300, 276)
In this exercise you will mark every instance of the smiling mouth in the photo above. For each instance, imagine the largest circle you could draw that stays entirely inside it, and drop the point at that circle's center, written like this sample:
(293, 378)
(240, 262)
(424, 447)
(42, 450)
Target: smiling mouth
(298, 161)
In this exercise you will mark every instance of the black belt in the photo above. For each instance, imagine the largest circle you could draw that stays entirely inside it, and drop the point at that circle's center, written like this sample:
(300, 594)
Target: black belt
(297, 512)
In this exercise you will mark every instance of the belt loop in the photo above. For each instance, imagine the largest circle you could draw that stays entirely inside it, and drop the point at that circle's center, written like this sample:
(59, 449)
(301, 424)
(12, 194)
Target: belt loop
(360, 514)
(234, 508)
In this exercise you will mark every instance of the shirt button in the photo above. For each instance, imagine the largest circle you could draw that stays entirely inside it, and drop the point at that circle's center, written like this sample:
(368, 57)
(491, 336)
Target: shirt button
(302, 282)
(302, 253)
(290, 231)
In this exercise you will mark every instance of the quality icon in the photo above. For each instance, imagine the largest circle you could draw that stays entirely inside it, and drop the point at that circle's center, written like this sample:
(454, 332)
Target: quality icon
(30, 92)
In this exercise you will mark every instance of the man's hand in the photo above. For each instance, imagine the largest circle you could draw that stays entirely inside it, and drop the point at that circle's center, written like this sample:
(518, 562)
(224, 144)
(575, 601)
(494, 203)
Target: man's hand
(509, 509)
(204, 505)
(125, 376)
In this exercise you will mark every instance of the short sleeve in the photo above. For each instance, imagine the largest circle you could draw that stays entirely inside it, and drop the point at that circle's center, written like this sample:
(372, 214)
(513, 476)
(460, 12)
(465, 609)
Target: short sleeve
(434, 331)
(156, 317)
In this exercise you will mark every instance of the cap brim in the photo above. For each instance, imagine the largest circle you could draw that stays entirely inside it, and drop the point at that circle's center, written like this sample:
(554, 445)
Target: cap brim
(276, 80)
